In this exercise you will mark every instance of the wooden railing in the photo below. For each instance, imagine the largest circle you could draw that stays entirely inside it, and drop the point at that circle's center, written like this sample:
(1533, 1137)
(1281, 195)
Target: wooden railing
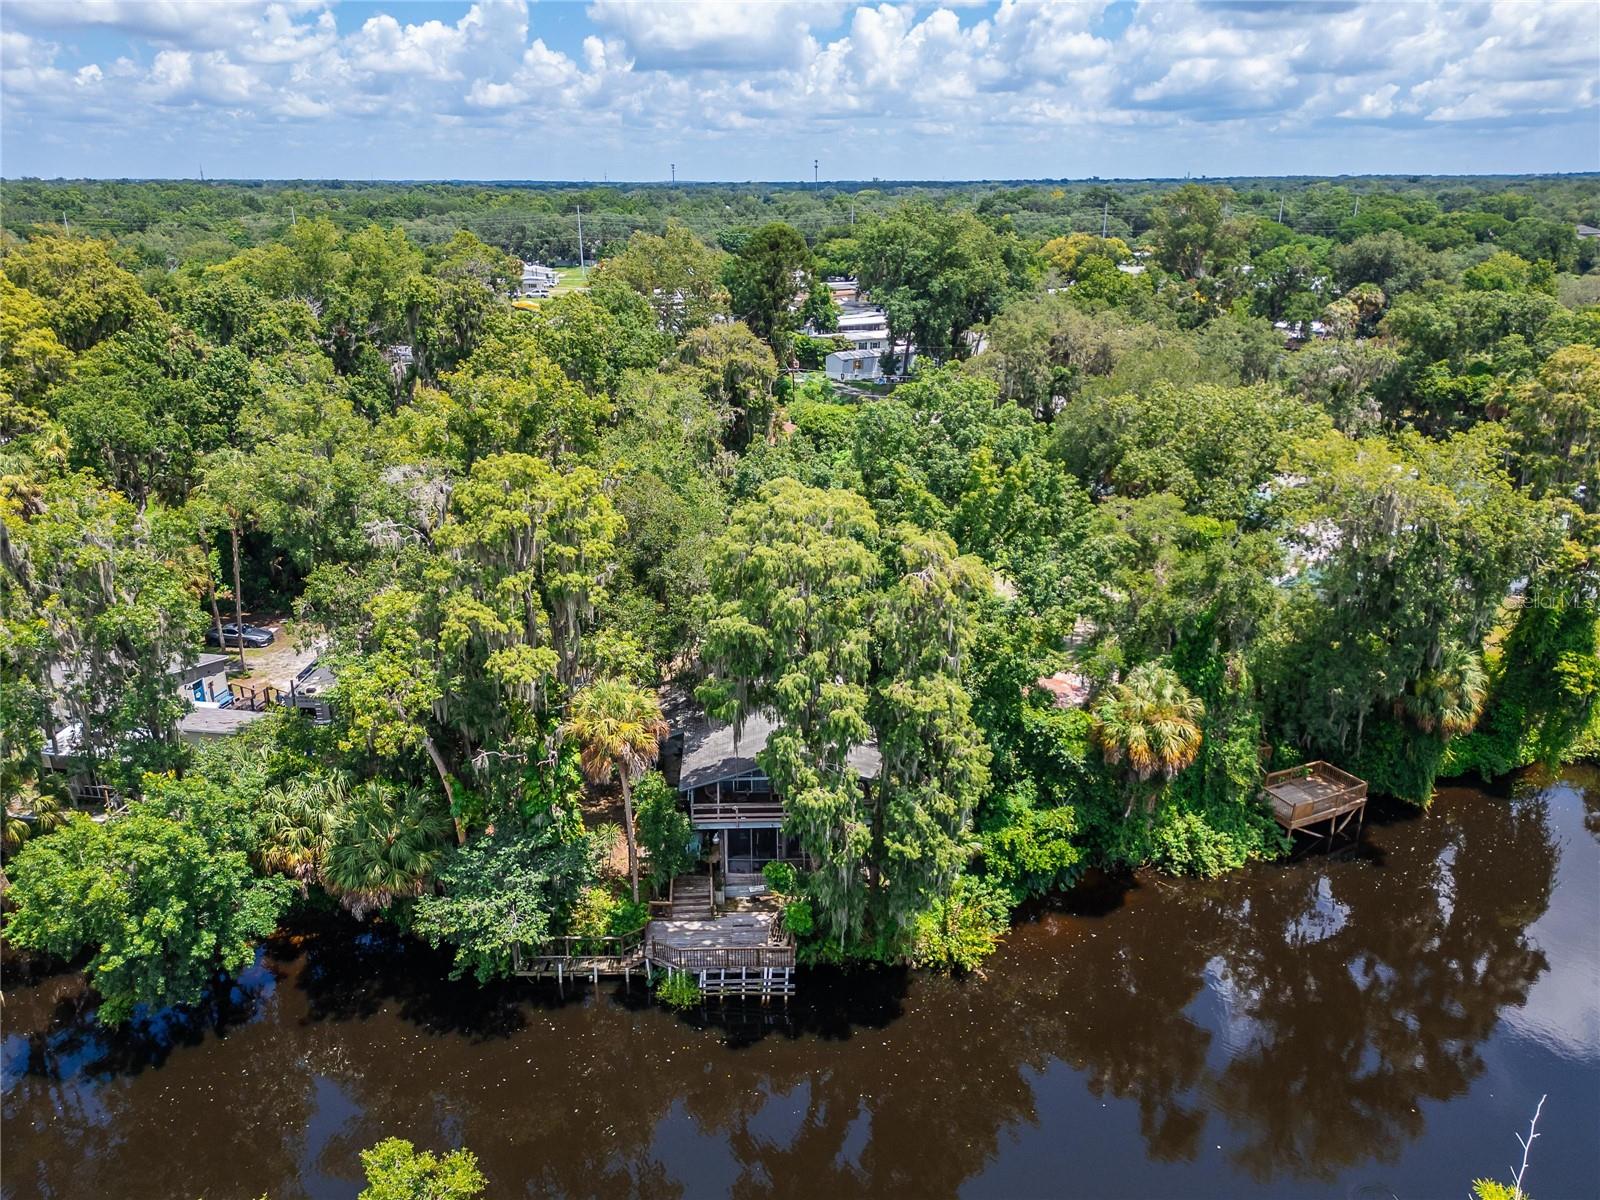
(1316, 770)
(765, 810)
(252, 699)
(776, 956)
(1347, 791)
(576, 952)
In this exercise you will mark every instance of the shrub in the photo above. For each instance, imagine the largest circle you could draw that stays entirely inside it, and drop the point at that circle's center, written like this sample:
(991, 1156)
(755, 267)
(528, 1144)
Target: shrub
(665, 833)
(678, 991)
(782, 878)
(1032, 853)
(1185, 844)
(396, 1170)
(798, 919)
(959, 931)
(601, 913)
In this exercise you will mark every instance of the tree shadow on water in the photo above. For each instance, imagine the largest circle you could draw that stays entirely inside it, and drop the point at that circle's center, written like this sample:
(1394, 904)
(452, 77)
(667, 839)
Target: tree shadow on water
(353, 972)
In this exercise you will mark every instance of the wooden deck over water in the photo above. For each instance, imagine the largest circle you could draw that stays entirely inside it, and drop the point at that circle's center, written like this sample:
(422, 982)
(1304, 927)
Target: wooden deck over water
(732, 954)
(1317, 794)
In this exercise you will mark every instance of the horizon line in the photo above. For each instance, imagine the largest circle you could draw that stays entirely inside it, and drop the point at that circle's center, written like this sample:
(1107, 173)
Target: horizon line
(801, 184)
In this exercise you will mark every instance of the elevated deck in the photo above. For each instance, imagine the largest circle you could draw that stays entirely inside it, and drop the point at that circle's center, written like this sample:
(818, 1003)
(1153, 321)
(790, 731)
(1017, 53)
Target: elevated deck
(1318, 799)
(732, 954)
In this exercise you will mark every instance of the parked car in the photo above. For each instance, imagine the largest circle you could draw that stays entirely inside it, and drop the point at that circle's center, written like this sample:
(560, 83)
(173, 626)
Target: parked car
(254, 636)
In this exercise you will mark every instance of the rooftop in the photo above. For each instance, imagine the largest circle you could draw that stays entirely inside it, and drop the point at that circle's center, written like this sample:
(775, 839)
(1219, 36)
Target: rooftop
(712, 752)
(216, 722)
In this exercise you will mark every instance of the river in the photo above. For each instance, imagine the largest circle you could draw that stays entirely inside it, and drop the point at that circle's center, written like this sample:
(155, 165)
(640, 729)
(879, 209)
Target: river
(1379, 1023)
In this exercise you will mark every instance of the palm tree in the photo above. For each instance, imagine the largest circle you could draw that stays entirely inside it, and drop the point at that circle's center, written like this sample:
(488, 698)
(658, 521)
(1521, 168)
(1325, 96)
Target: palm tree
(388, 843)
(299, 826)
(619, 730)
(28, 816)
(1151, 722)
(1449, 699)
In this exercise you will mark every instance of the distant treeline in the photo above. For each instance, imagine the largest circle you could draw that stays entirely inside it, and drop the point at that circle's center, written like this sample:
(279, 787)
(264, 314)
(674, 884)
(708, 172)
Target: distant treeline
(170, 222)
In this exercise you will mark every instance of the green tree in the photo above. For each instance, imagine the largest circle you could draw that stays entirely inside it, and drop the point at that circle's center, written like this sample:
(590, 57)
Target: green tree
(396, 1170)
(31, 359)
(1149, 724)
(1214, 447)
(388, 844)
(678, 275)
(1198, 239)
(937, 273)
(794, 578)
(735, 371)
(458, 649)
(1555, 419)
(618, 728)
(99, 603)
(844, 648)
(507, 889)
(1402, 551)
(162, 903)
(770, 270)
(86, 296)
(665, 834)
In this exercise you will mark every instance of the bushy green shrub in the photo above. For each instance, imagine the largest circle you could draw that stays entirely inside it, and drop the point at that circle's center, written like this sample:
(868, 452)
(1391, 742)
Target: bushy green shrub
(1185, 844)
(1029, 850)
(678, 991)
(397, 1170)
(665, 834)
(959, 931)
(831, 426)
(798, 919)
(602, 913)
(782, 878)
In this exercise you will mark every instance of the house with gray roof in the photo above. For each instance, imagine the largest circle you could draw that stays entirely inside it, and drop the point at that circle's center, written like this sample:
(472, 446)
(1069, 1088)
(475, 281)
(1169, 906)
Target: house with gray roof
(730, 800)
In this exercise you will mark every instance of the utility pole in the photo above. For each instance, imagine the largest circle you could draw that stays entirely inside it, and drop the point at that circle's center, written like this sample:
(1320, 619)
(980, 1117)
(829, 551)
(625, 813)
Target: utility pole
(581, 265)
(292, 221)
(852, 214)
(1105, 219)
(815, 167)
(64, 226)
(1357, 212)
(674, 174)
(1280, 210)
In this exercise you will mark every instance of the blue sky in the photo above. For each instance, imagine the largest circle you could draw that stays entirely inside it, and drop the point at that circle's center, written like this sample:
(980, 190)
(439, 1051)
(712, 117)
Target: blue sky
(504, 89)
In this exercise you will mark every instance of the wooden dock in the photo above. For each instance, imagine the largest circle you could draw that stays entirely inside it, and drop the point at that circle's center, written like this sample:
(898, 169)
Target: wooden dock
(733, 954)
(564, 958)
(1317, 799)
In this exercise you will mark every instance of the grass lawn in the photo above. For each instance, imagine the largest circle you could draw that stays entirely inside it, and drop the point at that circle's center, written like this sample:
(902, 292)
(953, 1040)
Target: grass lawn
(568, 279)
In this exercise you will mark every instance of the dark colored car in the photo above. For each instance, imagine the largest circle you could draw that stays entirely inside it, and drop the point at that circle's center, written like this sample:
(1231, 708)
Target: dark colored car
(254, 636)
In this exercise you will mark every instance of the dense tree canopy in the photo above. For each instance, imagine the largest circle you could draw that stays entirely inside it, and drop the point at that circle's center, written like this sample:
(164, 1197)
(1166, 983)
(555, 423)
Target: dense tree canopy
(1187, 483)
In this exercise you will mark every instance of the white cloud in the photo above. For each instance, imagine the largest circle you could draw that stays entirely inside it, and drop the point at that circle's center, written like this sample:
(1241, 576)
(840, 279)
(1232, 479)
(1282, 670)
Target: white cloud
(714, 34)
(923, 81)
(280, 31)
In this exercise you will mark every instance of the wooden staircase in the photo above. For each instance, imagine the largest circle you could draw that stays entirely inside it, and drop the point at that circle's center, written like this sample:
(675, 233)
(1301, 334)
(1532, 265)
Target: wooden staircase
(691, 898)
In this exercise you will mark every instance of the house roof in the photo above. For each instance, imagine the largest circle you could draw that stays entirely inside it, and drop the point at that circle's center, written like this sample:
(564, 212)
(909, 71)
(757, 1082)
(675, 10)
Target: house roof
(853, 355)
(216, 722)
(711, 752)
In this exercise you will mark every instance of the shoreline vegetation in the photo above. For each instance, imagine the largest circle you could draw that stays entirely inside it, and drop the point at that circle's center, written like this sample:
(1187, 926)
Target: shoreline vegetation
(1187, 483)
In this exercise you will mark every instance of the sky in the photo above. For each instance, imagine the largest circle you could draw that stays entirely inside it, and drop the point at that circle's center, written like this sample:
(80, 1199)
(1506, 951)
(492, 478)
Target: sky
(506, 89)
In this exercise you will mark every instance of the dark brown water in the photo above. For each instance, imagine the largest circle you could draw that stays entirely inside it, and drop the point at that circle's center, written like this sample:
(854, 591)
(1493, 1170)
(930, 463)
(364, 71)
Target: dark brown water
(1375, 1025)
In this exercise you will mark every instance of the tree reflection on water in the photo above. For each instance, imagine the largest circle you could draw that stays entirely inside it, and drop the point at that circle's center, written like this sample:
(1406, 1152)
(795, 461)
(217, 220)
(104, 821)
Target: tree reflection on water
(1311, 1009)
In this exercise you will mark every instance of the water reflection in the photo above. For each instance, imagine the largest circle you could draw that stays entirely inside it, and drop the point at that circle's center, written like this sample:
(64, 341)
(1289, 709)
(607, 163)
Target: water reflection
(1310, 1011)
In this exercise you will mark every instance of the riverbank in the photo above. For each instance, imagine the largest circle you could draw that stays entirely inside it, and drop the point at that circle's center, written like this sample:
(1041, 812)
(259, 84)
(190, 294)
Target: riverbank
(1383, 1019)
